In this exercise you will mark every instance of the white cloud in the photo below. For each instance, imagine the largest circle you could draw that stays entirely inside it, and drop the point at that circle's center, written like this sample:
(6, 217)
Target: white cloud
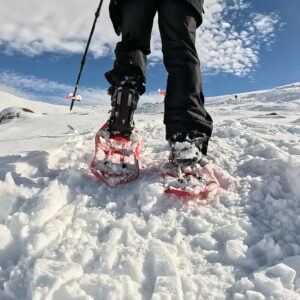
(228, 41)
(264, 24)
(230, 37)
(231, 45)
(238, 4)
(34, 88)
(35, 26)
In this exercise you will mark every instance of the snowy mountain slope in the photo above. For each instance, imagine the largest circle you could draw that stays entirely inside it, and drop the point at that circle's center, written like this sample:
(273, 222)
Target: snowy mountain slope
(8, 100)
(64, 235)
(256, 104)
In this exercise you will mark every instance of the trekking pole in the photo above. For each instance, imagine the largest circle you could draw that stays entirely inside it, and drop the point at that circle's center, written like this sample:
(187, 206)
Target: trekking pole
(73, 96)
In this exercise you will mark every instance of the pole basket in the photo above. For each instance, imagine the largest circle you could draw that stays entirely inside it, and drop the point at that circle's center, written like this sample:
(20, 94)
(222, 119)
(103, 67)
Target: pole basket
(74, 98)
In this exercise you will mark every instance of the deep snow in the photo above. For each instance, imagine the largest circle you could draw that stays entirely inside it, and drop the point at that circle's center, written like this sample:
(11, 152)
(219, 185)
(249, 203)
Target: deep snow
(64, 235)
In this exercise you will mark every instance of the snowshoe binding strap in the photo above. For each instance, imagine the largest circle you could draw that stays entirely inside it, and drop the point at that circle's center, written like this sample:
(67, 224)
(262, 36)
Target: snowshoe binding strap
(184, 153)
(124, 102)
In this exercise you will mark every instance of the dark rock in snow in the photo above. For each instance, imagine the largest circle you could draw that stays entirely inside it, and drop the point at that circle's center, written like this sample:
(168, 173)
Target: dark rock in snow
(13, 113)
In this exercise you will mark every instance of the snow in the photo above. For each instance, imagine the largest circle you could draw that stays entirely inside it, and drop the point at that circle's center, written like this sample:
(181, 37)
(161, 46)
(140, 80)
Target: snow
(8, 100)
(64, 235)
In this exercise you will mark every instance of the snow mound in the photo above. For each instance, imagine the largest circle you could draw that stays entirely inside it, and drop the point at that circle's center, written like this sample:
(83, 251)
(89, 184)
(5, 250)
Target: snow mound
(297, 121)
(13, 113)
(151, 108)
(276, 282)
(8, 100)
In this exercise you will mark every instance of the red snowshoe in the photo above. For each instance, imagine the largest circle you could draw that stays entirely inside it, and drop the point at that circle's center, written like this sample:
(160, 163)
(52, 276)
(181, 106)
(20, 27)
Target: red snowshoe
(116, 156)
(118, 143)
(194, 181)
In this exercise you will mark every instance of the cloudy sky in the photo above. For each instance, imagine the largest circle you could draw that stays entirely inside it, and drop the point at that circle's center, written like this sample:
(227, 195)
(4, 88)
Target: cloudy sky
(243, 45)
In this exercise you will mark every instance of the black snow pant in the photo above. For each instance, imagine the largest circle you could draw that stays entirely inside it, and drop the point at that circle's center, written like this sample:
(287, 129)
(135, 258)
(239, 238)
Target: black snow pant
(185, 116)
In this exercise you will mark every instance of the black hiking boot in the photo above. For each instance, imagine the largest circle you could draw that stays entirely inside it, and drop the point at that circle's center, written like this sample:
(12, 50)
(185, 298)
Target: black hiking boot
(124, 99)
(188, 152)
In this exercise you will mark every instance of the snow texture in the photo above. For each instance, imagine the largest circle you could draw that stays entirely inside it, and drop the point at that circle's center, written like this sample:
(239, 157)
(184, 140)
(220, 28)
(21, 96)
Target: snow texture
(65, 235)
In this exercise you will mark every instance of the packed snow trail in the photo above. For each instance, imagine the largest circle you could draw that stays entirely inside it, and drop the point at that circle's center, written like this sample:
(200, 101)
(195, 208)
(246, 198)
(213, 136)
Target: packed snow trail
(65, 235)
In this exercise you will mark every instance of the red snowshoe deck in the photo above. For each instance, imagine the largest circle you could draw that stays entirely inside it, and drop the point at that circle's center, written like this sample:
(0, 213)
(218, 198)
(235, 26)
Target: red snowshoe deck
(116, 157)
(200, 183)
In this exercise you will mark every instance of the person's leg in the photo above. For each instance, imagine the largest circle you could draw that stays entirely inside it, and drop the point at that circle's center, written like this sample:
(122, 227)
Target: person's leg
(185, 115)
(128, 76)
(136, 26)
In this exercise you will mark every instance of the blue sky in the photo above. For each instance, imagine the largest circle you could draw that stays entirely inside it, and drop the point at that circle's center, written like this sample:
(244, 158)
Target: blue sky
(243, 46)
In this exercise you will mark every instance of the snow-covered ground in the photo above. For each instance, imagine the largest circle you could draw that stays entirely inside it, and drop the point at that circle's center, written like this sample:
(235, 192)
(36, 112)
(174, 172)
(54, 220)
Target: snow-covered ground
(64, 235)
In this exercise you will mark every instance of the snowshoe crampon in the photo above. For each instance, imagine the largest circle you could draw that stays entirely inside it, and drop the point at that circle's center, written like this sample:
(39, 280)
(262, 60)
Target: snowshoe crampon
(116, 157)
(193, 181)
